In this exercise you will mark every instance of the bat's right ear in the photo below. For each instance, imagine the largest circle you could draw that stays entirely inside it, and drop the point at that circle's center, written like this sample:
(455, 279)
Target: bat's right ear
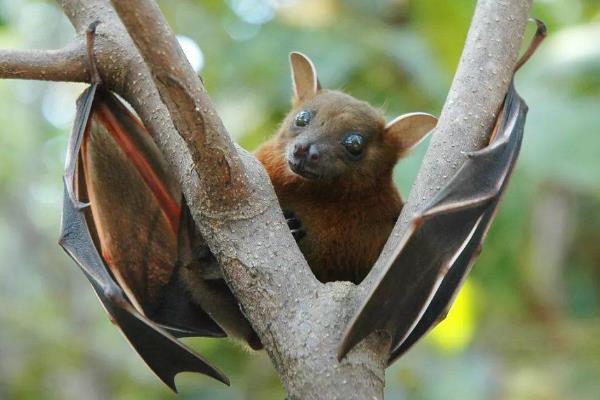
(406, 131)
(304, 75)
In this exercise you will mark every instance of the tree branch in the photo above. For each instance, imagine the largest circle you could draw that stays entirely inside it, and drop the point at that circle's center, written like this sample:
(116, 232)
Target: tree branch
(66, 64)
(477, 92)
(222, 177)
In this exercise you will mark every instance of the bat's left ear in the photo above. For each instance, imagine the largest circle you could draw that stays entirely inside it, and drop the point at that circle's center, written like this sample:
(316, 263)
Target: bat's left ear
(406, 131)
(304, 75)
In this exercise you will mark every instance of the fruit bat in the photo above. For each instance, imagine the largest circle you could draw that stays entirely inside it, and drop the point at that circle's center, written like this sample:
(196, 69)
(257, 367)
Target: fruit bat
(425, 271)
(128, 228)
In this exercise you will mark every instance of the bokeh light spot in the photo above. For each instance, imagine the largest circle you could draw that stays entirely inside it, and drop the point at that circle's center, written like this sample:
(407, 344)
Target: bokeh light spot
(456, 331)
(192, 52)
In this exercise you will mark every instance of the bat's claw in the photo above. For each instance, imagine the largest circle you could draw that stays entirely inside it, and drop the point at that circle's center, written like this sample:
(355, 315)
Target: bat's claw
(294, 224)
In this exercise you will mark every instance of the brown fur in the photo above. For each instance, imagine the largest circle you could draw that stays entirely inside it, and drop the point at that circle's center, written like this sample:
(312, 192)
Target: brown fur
(348, 218)
(344, 197)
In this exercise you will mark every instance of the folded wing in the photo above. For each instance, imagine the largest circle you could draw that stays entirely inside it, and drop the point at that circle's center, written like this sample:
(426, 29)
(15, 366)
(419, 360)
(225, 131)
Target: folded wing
(121, 225)
(427, 269)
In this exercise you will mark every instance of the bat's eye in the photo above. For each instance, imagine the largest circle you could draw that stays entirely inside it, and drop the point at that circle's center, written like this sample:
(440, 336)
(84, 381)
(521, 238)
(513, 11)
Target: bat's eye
(302, 118)
(354, 143)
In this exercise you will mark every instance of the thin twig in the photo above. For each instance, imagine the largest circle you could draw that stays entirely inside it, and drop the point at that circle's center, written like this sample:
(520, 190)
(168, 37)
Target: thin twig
(67, 64)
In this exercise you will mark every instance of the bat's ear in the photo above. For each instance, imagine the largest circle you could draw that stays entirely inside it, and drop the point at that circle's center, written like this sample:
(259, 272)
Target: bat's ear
(406, 131)
(304, 75)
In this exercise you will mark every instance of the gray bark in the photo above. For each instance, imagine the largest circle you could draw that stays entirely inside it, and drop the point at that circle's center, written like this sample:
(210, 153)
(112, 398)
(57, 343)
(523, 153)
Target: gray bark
(299, 320)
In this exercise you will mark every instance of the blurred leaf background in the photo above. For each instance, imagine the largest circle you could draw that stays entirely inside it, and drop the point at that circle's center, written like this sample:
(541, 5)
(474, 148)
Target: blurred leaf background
(526, 325)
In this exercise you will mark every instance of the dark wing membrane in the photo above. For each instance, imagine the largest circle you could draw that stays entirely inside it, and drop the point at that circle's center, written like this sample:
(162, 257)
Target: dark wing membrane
(135, 212)
(82, 234)
(162, 352)
(428, 267)
(509, 134)
(445, 294)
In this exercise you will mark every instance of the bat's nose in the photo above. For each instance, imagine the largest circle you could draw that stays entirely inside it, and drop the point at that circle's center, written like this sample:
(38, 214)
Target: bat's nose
(300, 149)
(306, 151)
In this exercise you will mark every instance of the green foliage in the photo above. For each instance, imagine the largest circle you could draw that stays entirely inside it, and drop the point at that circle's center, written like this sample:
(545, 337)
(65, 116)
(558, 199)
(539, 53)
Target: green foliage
(532, 308)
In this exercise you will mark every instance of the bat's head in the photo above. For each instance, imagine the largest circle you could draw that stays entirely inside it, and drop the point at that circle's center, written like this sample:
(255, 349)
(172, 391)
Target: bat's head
(330, 135)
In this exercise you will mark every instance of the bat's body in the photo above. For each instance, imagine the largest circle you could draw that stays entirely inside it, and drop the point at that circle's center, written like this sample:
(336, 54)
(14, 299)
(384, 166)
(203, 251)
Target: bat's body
(344, 198)
(345, 229)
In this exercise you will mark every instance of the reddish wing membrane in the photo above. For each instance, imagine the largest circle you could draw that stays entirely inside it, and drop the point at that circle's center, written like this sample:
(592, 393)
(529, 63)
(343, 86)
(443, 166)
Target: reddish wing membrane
(126, 241)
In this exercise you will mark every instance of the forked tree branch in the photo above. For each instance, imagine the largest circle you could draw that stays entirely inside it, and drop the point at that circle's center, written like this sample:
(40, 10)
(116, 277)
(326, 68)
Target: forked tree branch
(267, 273)
(299, 321)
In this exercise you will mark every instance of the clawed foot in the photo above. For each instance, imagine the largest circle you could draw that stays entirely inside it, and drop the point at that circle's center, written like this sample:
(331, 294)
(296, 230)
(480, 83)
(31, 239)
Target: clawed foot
(294, 224)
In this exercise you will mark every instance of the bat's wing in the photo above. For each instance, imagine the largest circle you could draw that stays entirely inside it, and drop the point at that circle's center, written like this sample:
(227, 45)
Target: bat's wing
(508, 135)
(120, 223)
(426, 270)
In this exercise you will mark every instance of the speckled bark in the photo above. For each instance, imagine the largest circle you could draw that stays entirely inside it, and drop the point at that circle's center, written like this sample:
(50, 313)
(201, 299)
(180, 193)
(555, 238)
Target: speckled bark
(299, 320)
